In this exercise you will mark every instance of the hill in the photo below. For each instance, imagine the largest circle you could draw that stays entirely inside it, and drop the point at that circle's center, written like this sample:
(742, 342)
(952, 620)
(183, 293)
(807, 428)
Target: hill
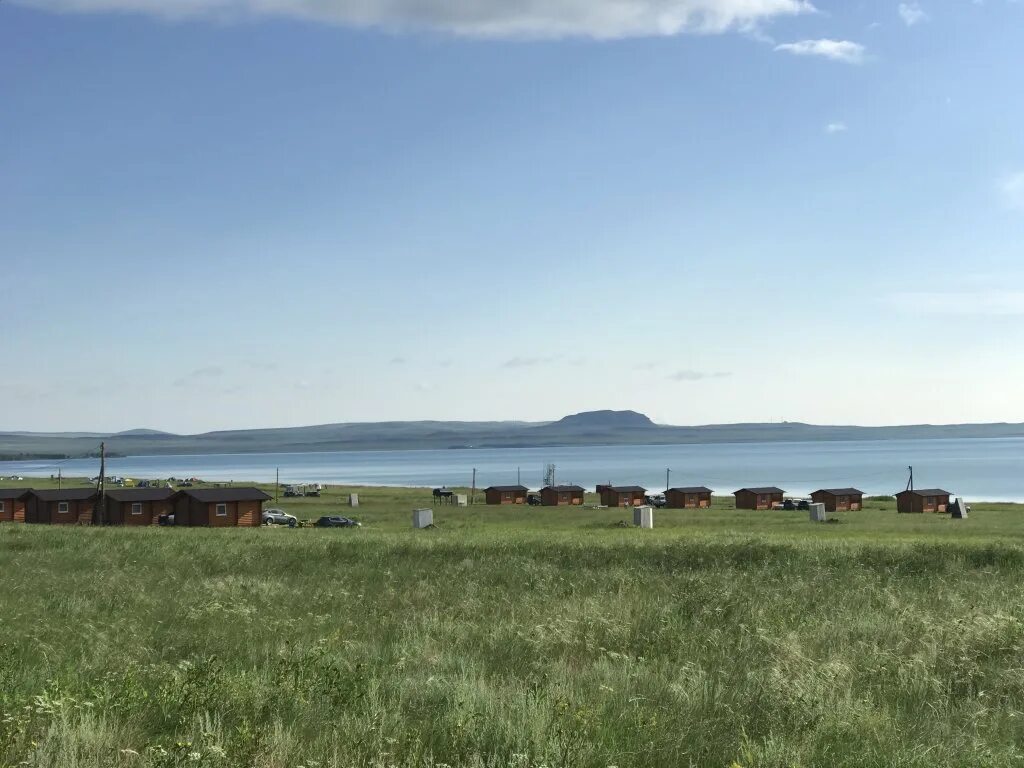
(588, 428)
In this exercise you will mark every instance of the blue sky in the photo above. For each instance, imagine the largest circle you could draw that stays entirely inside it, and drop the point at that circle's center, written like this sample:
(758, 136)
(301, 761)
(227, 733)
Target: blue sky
(238, 213)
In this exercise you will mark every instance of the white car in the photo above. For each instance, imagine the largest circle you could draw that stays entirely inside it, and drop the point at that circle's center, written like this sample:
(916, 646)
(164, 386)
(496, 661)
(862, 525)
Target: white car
(276, 516)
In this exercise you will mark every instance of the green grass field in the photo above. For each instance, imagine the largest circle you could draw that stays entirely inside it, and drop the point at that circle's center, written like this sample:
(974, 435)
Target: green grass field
(517, 637)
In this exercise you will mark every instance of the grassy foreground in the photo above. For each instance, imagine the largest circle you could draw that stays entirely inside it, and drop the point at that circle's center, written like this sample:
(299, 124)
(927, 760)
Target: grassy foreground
(520, 638)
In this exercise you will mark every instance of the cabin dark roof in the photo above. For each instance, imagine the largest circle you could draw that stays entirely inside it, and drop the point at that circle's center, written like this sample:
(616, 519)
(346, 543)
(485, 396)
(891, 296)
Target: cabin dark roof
(141, 494)
(211, 495)
(926, 492)
(841, 491)
(66, 494)
(510, 488)
(693, 489)
(563, 488)
(14, 493)
(627, 489)
(771, 489)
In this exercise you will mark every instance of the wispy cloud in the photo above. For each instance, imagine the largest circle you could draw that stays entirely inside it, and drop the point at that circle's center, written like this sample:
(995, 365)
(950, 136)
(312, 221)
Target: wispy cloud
(526, 362)
(836, 50)
(837, 127)
(601, 19)
(200, 374)
(960, 303)
(1011, 188)
(912, 14)
(689, 375)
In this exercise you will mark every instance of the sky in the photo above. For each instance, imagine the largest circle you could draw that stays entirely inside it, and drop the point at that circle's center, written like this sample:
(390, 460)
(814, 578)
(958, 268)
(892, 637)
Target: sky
(220, 214)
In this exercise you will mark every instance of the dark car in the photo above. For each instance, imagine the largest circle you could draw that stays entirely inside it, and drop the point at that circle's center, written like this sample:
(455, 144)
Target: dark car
(796, 504)
(336, 521)
(533, 499)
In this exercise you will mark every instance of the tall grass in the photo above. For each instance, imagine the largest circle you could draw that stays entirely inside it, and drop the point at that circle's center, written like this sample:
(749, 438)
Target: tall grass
(505, 642)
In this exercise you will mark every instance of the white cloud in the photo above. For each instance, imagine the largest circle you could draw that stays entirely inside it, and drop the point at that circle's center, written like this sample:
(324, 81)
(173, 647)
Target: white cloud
(526, 362)
(912, 14)
(837, 50)
(837, 127)
(689, 375)
(600, 19)
(1012, 190)
(960, 303)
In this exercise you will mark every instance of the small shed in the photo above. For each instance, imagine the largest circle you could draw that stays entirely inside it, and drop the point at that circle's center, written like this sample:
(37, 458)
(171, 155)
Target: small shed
(138, 506)
(506, 494)
(696, 497)
(561, 495)
(623, 495)
(61, 506)
(839, 499)
(219, 507)
(925, 500)
(12, 504)
(758, 498)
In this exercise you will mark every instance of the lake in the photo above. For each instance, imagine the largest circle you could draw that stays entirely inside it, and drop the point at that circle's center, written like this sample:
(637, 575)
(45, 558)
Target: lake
(979, 469)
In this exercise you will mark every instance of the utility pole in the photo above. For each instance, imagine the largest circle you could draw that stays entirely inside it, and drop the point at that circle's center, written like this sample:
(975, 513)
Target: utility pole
(58, 478)
(277, 483)
(519, 476)
(668, 472)
(910, 482)
(101, 503)
(472, 491)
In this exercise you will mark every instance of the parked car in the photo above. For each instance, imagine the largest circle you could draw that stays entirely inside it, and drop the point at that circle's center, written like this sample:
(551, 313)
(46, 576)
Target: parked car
(166, 519)
(274, 516)
(533, 499)
(803, 504)
(656, 499)
(336, 521)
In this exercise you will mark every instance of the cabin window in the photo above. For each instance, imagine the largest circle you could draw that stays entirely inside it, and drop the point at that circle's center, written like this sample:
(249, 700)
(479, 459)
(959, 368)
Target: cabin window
(506, 496)
(136, 508)
(930, 501)
(1, 507)
(62, 507)
(843, 499)
(222, 510)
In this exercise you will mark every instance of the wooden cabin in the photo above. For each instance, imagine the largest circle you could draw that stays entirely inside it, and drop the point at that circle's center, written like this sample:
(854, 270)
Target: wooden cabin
(926, 500)
(506, 494)
(839, 499)
(623, 495)
(138, 506)
(697, 497)
(12, 504)
(61, 507)
(219, 507)
(758, 498)
(561, 495)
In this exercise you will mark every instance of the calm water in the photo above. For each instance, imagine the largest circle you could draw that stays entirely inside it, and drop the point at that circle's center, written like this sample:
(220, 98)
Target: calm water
(991, 470)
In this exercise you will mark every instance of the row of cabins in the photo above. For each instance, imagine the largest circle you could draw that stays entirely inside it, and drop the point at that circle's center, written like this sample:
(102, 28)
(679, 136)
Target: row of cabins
(699, 497)
(210, 507)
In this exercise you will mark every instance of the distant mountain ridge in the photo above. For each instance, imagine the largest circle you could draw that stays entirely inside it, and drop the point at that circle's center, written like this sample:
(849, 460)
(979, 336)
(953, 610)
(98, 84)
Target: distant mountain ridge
(587, 428)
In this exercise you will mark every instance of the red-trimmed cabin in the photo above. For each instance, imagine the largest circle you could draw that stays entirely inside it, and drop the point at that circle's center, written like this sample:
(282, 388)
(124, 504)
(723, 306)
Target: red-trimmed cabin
(758, 498)
(138, 506)
(839, 499)
(623, 495)
(12, 504)
(561, 495)
(61, 506)
(925, 500)
(506, 494)
(219, 507)
(696, 497)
